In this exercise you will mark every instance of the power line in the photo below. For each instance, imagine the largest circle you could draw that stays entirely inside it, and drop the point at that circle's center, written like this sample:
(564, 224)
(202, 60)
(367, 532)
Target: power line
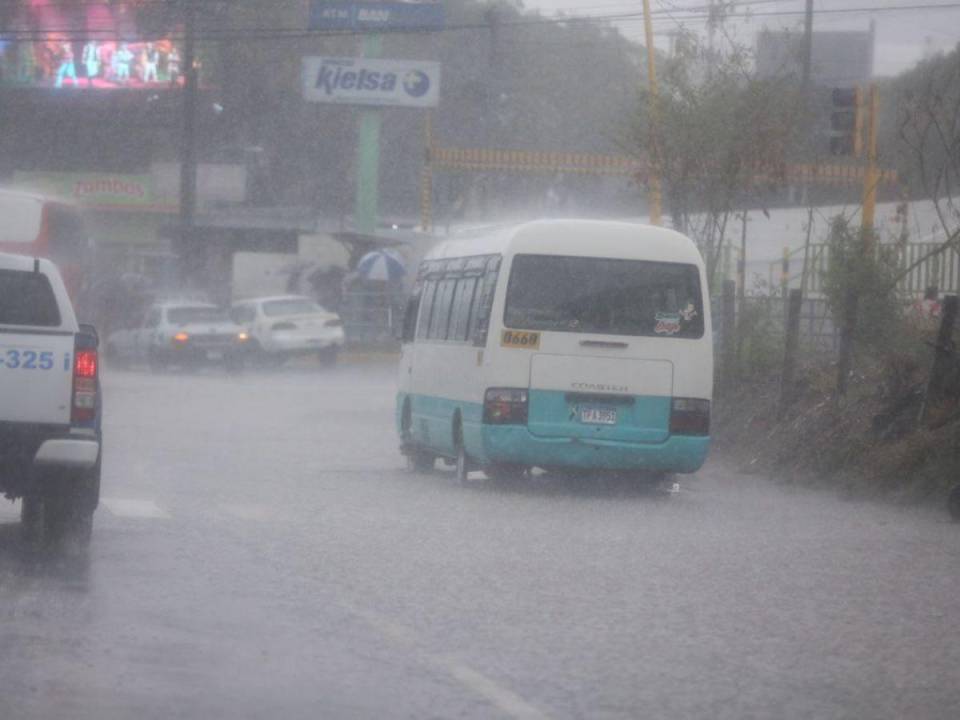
(280, 33)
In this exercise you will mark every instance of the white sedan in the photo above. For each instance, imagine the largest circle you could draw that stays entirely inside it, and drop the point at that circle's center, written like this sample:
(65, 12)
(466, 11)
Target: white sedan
(287, 325)
(180, 333)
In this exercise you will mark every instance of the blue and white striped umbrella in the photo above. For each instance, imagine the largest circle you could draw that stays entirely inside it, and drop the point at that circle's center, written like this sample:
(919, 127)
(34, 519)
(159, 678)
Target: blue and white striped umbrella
(385, 265)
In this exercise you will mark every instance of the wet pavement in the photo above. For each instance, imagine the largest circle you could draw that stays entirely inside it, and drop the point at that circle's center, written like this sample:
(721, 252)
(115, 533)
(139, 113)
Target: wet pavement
(260, 551)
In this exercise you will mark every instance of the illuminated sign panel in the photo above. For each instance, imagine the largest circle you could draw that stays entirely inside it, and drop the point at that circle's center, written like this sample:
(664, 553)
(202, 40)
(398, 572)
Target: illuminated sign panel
(87, 45)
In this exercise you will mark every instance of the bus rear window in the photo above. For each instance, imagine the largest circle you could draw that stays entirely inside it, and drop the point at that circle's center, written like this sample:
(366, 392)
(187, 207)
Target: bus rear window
(604, 296)
(26, 298)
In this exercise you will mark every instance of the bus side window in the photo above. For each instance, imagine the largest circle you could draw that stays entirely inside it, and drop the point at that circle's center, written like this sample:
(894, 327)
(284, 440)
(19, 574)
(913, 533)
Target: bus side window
(410, 316)
(483, 304)
(462, 303)
(442, 306)
(426, 308)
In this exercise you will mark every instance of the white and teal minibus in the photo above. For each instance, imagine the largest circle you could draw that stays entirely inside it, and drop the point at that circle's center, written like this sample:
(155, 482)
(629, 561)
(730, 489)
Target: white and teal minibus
(560, 344)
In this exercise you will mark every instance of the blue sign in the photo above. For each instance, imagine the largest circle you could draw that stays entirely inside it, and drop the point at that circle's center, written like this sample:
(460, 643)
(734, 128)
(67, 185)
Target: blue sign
(376, 15)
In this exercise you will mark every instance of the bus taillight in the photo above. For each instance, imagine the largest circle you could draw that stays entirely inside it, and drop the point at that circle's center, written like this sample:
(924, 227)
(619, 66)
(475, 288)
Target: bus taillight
(505, 406)
(690, 416)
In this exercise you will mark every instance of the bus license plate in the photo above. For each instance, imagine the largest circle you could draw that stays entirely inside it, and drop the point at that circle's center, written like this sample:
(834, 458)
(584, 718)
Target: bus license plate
(598, 416)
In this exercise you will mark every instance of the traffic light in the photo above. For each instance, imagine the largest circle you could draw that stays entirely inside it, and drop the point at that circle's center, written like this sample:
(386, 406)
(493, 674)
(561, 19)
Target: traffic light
(846, 122)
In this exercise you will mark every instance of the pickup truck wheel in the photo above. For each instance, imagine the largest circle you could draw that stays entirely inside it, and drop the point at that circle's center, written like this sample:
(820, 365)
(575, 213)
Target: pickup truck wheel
(68, 506)
(31, 518)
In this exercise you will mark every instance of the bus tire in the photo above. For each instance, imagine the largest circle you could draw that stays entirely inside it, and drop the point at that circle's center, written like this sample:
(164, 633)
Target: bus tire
(463, 465)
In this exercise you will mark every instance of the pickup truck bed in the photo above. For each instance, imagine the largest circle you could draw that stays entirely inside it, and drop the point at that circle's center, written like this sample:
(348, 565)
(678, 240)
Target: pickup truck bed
(49, 400)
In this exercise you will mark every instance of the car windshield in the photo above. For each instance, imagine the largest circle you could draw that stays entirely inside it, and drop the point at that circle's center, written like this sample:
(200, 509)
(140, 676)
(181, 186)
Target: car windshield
(598, 295)
(200, 314)
(293, 306)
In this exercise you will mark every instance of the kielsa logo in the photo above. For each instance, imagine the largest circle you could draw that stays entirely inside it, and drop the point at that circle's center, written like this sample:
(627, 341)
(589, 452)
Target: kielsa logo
(334, 77)
(108, 186)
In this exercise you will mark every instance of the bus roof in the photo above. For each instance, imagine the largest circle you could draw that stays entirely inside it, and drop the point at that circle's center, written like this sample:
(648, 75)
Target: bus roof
(587, 238)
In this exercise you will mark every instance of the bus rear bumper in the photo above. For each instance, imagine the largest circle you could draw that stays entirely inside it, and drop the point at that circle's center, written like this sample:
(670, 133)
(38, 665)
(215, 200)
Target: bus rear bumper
(516, 445)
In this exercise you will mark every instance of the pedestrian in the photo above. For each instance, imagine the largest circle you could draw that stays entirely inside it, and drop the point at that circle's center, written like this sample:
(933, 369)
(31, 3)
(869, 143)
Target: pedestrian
(151, 59)
(91, 60)
(173, 66)
(68, 68)
(123, 57)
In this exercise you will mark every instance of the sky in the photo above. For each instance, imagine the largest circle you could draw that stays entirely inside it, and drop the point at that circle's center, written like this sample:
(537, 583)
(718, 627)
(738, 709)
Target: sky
(905, 33)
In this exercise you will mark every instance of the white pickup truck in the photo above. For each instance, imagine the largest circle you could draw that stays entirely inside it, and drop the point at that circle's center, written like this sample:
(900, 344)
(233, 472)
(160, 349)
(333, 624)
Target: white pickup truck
(50, 402)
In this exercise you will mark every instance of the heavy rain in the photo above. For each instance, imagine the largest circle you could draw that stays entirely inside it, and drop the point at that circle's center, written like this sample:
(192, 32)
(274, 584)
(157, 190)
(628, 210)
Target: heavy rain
(479, 359)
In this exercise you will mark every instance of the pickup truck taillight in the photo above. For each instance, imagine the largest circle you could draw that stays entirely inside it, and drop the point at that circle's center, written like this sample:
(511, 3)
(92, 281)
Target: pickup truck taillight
(85, 371)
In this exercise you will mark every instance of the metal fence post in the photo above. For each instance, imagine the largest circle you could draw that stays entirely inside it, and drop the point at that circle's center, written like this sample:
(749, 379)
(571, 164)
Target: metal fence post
(729, 346)
(941, 357)
(790, 349)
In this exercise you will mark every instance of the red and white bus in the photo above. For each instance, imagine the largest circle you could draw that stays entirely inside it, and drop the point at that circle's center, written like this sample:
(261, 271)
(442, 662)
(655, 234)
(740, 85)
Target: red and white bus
(41, 227)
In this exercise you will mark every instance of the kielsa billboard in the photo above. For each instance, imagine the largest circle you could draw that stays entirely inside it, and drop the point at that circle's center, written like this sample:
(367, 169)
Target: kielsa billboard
(362, 81)
(79, 44)
(372, 15)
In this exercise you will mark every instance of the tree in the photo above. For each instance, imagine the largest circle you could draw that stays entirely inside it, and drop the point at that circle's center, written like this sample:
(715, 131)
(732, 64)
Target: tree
(721, 136)
(929, 129)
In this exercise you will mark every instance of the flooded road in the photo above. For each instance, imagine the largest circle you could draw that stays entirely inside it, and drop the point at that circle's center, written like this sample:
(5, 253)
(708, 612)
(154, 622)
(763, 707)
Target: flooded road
(260, 550)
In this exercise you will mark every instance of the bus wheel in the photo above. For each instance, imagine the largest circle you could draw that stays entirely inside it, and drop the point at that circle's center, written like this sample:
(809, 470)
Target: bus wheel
(462, 461)
(463, 466)
(953, 503)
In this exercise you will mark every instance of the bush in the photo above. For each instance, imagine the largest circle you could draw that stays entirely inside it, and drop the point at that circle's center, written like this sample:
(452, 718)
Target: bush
(871, 275)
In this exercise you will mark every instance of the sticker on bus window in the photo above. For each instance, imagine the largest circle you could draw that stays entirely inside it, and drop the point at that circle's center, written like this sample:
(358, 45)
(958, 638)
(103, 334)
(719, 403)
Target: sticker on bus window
(520, 339)
(667, 323)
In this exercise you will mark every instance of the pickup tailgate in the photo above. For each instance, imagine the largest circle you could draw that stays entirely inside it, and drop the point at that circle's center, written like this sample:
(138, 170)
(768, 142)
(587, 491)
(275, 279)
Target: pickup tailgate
(36, 379)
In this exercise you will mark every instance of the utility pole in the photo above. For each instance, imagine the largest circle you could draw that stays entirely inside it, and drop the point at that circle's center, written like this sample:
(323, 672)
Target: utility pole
(189, 252)
(426, 174)
(870, 175)
(807, 57)
(867, 241)
(656, 193)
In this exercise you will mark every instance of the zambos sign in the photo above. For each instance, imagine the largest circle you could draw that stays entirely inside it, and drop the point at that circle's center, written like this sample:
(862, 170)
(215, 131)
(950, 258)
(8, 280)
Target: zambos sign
(360, 81)
(92, 190)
